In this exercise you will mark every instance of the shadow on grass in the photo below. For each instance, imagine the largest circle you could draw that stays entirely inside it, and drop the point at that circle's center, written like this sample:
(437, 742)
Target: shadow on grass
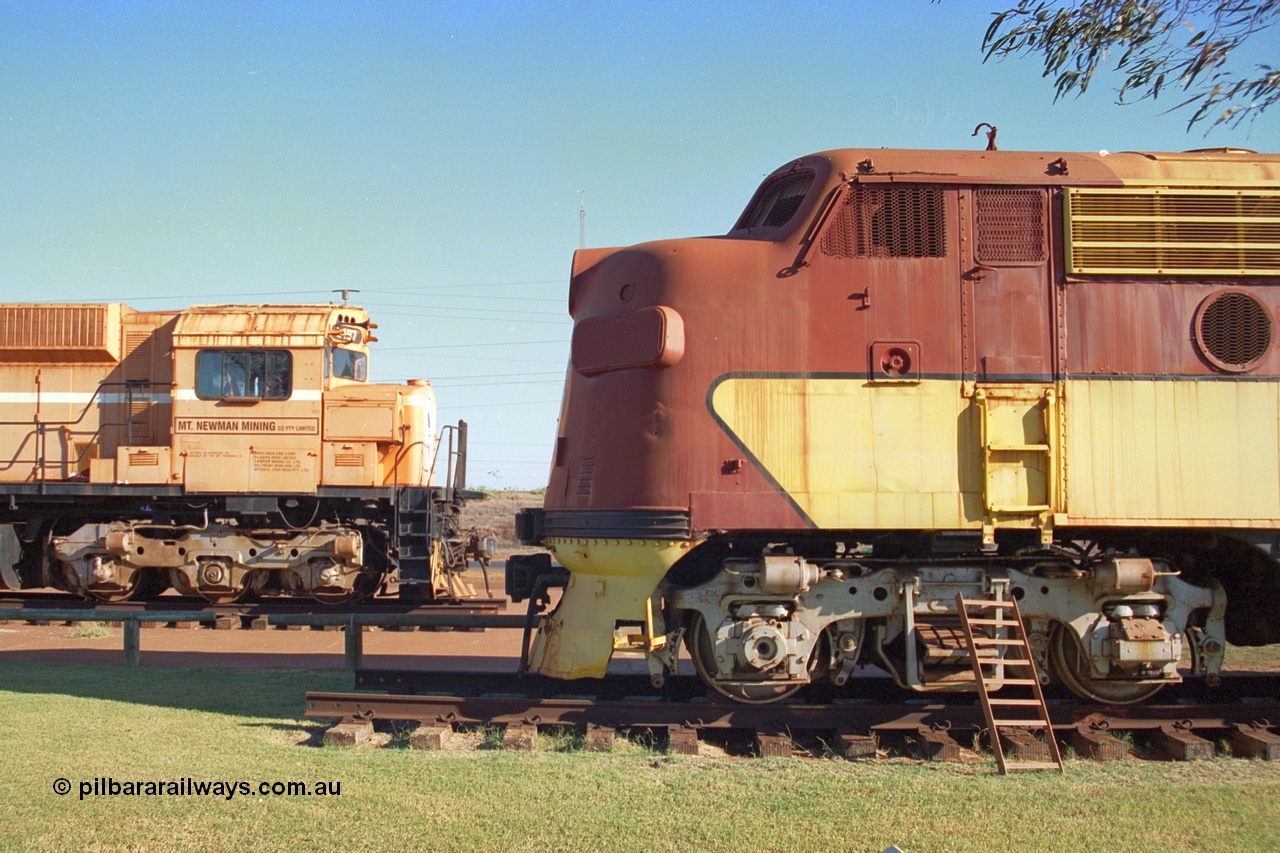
(310, 734)
(238, 692)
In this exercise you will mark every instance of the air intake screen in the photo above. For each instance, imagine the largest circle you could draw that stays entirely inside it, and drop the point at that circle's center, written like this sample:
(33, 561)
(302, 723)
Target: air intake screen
(1233, 330)
(1010, 226)
(889, 222)
(1174, 232)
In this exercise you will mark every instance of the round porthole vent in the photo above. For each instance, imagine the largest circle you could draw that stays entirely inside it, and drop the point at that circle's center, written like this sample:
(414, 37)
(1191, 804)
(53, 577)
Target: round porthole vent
(1233, 330)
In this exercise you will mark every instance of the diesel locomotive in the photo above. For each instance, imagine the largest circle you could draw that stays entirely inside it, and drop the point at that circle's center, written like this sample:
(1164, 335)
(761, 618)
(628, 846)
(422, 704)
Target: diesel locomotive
(222, 451)
(908, 374)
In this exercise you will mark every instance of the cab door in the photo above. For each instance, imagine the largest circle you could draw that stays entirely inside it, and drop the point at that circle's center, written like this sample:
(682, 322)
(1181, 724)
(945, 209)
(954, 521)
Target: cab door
(1009, 355)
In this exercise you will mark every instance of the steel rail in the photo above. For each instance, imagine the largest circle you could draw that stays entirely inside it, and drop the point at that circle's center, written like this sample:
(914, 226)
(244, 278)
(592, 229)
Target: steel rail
(623, 701)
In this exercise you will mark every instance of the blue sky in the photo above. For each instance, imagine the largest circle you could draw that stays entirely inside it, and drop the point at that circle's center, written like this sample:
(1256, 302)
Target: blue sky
(430, 155)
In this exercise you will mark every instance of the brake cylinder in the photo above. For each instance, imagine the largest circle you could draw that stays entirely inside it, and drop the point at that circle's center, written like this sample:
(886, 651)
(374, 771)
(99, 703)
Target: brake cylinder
(1124, 575)
(787, 575)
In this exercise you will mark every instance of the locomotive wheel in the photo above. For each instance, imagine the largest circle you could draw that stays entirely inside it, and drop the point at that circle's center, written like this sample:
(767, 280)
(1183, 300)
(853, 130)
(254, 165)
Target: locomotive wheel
(362, 586)
(217, 584)
(702, 651)
(214, 595)
(1071, 664)
(231, 596)
(143, 585)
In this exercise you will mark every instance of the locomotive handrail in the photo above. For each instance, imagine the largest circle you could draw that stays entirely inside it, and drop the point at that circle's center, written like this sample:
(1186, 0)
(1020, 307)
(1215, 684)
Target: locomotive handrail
(811, 233)
(129, 385)
(455, 473)
(42, 426)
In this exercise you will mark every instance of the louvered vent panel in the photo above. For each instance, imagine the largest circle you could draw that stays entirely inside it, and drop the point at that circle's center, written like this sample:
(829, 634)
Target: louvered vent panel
(137, 361)
(1174, 232)
(136, 367)
(56, 332)
(1010, 226)
(888, 222)
(144, 459)
(586, 476)
(348, 460)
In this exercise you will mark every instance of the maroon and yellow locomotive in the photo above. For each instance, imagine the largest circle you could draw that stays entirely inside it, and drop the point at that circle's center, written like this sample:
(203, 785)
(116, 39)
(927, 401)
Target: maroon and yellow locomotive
(220, 450)
(904, 375)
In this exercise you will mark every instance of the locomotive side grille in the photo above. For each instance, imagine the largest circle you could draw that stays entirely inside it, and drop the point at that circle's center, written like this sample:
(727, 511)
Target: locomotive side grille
(137, 367)
(1233, 330)
(137, 360)
(889, 222)
(348, 460)
(144, 459)
(586, 476)
(59, 332)
(1010, 226)
(53, 327)
(1174, 232)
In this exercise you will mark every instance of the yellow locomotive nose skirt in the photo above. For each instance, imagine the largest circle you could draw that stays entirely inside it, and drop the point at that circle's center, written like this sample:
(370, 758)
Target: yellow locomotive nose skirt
(610, 581)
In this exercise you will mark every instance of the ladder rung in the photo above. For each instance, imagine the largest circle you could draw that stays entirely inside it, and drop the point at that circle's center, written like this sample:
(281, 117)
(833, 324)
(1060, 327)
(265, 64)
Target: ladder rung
(1013, 682)
(1020, 724)
(1000, 623)
(1031, 765)
(998, 641)
(984, 602)
(1029, 703)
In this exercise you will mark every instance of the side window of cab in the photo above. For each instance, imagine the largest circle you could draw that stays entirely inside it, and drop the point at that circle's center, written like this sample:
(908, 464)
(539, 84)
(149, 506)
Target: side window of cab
(244, 374)
(347, 364)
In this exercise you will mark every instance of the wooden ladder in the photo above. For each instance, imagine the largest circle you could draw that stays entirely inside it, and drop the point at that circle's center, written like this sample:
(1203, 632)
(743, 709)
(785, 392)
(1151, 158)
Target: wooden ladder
(1003, 630)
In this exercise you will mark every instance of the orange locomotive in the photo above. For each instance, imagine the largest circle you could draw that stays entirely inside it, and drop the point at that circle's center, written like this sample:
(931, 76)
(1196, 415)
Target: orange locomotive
(905, 375)
(220, 450)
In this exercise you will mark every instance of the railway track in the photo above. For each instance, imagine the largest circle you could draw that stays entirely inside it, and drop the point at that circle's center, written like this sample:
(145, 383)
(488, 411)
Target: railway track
(1188, 722)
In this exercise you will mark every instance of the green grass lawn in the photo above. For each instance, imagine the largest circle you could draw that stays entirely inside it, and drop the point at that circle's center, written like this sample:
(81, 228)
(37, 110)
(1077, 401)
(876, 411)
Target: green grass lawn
(84, 722)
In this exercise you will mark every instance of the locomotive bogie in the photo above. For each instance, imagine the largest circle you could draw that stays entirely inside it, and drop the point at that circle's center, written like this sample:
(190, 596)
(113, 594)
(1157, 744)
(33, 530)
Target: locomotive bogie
(217, 562)
(1131, 621)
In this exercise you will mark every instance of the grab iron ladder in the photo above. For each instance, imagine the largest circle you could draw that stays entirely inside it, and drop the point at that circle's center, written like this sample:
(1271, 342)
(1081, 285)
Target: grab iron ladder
(1000, 627)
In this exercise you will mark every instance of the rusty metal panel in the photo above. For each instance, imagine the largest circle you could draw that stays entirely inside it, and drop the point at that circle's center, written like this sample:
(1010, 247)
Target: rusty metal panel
(350, 463)
(374, 420)
(1146, 451)
(261, 325)
(217, 465)
(283, 465)
(649, 337)
(143, 464)
(1006, 271)
(60, 333)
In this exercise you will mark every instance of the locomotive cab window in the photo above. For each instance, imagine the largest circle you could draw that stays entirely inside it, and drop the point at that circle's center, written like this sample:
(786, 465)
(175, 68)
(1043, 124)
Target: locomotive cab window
(777, 201)
(347, 364)
(244, 374)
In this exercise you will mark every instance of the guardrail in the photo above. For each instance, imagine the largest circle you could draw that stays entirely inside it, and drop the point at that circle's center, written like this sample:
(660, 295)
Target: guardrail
(353, 623)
